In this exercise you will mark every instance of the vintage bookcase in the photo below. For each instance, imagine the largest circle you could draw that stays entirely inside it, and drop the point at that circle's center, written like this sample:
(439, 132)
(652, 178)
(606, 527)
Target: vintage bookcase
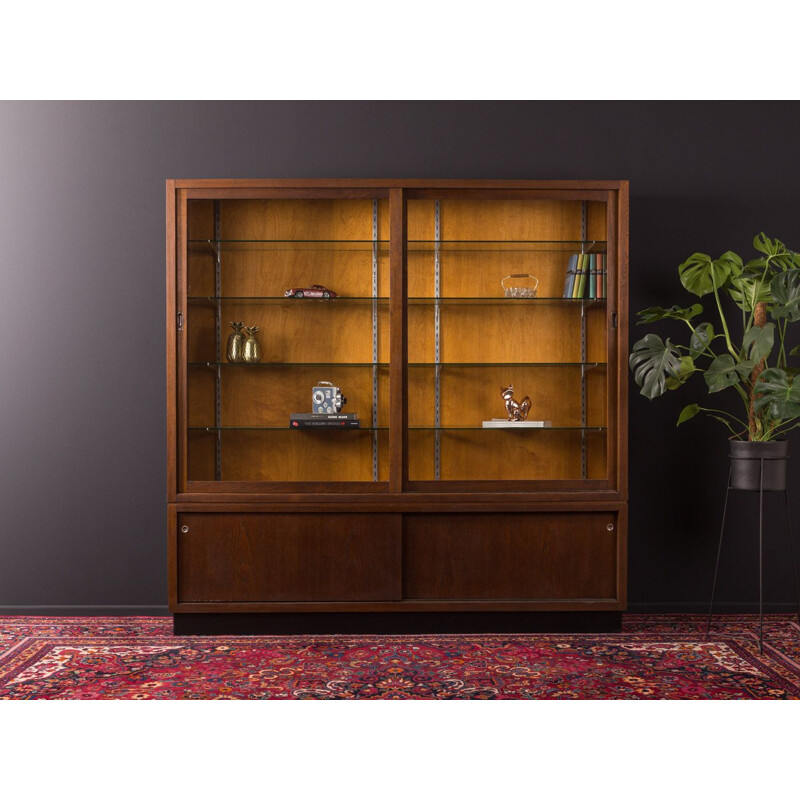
(421, 518)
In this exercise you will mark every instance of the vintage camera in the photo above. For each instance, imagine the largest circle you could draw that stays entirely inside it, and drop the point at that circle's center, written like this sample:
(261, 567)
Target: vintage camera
(327, 398)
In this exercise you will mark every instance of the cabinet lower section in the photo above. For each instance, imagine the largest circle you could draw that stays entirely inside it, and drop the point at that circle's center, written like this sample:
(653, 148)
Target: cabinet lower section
(473, 562)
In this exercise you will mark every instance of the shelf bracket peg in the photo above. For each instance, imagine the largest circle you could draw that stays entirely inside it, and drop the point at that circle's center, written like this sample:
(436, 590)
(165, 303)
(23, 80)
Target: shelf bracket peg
(583, 226)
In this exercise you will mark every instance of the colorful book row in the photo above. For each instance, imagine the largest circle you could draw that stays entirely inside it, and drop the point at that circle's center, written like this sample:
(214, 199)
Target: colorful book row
(586, 276)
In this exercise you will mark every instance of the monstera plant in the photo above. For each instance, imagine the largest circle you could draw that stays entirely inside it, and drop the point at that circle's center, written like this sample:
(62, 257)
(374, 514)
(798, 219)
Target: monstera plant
(742, 348)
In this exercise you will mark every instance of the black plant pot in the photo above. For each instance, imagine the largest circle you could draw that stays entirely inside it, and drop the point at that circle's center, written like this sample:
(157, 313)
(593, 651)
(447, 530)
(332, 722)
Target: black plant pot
(746, 459)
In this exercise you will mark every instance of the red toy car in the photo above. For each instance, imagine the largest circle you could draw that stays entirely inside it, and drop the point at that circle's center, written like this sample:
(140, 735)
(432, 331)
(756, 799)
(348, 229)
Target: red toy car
(314, 290)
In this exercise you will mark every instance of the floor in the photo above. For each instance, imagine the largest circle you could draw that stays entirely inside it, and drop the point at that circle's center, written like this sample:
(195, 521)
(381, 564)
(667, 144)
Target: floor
(654, 657)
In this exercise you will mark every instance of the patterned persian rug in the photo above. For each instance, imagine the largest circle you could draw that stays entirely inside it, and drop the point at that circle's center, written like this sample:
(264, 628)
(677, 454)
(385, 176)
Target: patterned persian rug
(655, 657)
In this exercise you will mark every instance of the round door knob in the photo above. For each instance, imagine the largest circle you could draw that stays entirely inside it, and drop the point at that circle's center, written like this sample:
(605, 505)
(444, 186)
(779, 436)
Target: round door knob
(609, 527)
(184, 529)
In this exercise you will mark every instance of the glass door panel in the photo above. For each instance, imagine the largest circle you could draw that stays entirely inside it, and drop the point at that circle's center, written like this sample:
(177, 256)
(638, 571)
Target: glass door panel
(312, 276)
(489, 309)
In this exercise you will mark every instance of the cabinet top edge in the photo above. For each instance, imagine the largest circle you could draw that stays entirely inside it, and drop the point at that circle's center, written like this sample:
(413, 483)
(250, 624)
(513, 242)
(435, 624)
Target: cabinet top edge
(391, 183)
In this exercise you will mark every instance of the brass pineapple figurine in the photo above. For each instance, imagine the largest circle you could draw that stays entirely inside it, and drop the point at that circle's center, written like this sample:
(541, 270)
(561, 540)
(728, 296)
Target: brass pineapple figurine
(235, 352)
(251, 351)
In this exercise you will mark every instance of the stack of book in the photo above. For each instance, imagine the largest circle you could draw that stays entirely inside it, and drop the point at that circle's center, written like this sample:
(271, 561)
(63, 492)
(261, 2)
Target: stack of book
(334, 421)
(586, 276)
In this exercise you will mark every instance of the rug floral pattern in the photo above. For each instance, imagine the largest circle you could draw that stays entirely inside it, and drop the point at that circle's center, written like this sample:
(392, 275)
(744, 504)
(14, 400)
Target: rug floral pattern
(655, 657)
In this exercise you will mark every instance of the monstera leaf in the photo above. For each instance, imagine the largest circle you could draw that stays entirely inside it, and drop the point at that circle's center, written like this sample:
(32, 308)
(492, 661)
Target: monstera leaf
(684, 372)
(758, 342)
(747, 290)
(699, 274)
(785, 287)
(765, 245)
(724, 371)
(701, 339)
(652, 362)
(778, 393)
(779, 256)
(733, 260)
(655, 313)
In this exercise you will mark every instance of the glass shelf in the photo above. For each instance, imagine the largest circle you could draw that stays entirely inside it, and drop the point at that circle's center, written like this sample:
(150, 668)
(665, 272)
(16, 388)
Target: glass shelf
(464, 245)
(243, 365)
(585, 364)
(285, 427)
(504, 301)
(414, 301)
(232, 245)
(596, 429)
(506, 245)
(367, 301)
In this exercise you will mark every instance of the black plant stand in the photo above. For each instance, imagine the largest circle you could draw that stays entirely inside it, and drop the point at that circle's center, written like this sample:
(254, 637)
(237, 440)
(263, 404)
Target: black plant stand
(761, 491)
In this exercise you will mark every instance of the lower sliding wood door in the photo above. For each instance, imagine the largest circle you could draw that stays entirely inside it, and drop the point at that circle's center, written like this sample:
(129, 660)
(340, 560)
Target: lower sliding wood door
(560, 556)
(251, 558)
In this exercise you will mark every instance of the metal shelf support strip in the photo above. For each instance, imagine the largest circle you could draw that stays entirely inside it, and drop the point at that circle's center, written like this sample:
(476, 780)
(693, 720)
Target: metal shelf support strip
(583, 356)
(375, 340)
(437, 292)
(218, 335)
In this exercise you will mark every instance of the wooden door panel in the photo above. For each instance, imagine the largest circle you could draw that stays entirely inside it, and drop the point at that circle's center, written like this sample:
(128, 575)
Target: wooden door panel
(288, 557)
(510, 556)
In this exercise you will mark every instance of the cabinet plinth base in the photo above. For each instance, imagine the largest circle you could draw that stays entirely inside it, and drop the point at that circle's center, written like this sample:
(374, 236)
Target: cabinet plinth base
(398, 623)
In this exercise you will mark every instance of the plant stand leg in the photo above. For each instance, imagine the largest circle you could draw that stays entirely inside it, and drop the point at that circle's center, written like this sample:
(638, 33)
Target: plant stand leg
(719, 552)
(761, 558)
(791, 551)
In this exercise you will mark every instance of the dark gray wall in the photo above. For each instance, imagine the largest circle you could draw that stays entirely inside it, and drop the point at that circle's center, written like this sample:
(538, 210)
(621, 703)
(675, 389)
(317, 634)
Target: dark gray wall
(82, 473)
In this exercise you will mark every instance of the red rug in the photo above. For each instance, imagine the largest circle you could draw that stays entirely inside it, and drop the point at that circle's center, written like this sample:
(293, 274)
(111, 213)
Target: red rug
(655, 657)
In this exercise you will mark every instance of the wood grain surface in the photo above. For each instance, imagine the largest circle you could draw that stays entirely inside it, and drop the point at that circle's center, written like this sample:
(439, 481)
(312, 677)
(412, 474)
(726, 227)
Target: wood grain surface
(509, 556)
(284, 557)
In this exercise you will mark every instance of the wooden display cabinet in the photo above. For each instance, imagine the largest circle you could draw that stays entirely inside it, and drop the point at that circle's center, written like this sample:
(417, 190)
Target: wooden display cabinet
(421, 517)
